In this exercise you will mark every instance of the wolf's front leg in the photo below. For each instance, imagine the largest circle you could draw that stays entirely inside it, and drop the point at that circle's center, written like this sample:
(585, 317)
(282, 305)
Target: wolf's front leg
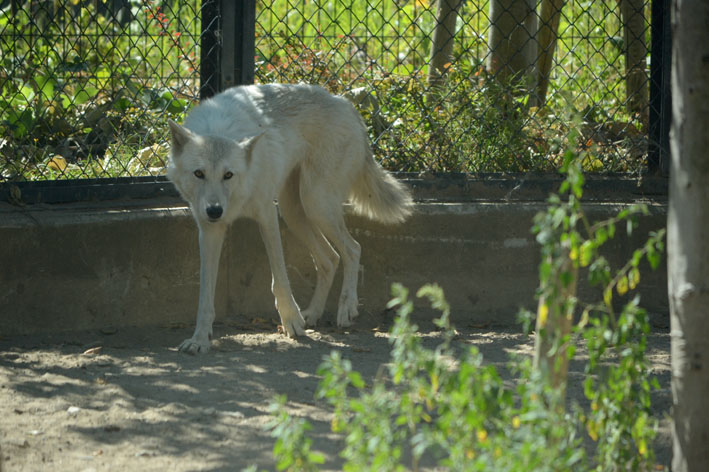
(291, 318)
(211, 239)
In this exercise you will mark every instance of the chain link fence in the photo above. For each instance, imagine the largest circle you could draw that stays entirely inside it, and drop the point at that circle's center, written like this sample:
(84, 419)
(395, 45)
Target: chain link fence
(443, 86)
(464, 87)
(87, 86)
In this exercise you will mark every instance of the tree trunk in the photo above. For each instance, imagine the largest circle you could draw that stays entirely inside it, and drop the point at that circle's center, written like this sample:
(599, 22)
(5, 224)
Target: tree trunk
(549, 18)
(636, 80)
(688, 235)
(443, 40)
(512, 42)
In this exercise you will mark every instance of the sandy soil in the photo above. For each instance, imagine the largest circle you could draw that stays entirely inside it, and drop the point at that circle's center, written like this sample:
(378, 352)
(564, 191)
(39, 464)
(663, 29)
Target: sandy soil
(127, 400)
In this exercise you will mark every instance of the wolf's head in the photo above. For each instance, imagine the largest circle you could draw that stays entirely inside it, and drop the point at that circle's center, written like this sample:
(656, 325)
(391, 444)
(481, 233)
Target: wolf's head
(210, 172)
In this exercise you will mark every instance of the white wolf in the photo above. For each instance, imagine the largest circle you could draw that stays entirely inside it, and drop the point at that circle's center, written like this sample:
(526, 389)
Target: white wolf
(248, 146)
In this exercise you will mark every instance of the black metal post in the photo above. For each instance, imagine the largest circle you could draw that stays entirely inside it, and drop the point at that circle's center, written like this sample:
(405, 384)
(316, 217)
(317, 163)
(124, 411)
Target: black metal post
(228, 45)
(210, 49)
(660, 92)
(238, 46)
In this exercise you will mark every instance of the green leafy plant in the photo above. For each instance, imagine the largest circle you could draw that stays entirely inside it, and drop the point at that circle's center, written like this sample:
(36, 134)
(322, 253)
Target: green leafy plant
(448, 406)
(292, 447)
(618, 383)
(439, 403)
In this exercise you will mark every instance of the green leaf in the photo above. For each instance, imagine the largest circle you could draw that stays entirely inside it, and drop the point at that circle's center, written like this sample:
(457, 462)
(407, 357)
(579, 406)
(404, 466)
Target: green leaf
(65, 100)
(608, 296)
(46, 86)
(399, 293)
(356, 380)
(85, 94)
(622, 285)
(316, 457)
(611, 230)
(633, 278)
(544, 270)
(629, 225)
(27, 93)
(586, 253)
(177, 105)
(654, 258)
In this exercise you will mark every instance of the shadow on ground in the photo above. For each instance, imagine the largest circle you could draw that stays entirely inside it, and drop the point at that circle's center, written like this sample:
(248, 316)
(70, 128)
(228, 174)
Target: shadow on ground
(126, 399)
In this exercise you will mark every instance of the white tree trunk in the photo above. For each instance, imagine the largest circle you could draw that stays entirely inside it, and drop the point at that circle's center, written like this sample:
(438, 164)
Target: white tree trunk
(688, 235)
(636, 81)
(443, 40)
(512, 41)
(549, 19)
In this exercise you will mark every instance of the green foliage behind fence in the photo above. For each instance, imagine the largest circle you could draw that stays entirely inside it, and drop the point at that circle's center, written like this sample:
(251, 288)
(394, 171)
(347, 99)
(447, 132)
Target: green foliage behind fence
(474, 124)
(87, 86)
(86, 90)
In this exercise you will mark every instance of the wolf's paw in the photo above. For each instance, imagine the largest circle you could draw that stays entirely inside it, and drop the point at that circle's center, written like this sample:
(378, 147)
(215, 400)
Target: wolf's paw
(294, 326)
(346, 314)
(194, 346)
(311, 317)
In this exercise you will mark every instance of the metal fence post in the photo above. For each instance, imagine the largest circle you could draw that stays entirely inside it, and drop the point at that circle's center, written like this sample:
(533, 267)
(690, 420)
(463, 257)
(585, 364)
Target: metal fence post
(228, 45)
(210, 49)
(660, 92)
(238, 42)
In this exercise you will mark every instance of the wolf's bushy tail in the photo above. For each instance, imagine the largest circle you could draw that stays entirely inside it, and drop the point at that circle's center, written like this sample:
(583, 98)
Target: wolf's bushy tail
(377, 195)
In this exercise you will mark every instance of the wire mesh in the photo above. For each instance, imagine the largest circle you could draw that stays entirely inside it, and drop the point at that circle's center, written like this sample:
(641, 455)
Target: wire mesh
(87, 85)
(443, 86)
(480, 109)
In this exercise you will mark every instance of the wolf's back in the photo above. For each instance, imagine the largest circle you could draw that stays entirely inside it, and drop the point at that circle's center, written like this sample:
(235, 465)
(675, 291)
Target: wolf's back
(323, 123)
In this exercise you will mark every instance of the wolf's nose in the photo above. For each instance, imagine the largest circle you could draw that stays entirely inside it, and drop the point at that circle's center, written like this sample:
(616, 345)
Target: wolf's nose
(214, 211)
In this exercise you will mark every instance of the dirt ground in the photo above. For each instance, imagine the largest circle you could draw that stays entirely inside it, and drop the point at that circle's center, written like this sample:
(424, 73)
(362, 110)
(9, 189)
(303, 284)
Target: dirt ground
(125, 399)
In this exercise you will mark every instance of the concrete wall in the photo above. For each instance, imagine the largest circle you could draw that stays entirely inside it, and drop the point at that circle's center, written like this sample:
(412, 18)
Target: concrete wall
(87, 266)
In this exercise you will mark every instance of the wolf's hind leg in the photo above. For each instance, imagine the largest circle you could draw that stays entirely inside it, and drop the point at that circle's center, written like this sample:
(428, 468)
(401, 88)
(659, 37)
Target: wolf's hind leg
(324, 256)
(327, 215)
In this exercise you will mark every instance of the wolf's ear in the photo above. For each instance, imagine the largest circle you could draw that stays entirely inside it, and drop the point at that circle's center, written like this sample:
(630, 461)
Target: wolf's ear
(249, 143)
(180, 137)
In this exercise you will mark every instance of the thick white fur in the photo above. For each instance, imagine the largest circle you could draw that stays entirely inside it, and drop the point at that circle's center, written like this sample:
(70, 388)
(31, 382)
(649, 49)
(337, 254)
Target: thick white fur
(248, 146)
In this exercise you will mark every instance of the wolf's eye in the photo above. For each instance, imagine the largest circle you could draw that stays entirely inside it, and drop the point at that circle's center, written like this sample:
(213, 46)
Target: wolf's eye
(199, 174)
(228, 175)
